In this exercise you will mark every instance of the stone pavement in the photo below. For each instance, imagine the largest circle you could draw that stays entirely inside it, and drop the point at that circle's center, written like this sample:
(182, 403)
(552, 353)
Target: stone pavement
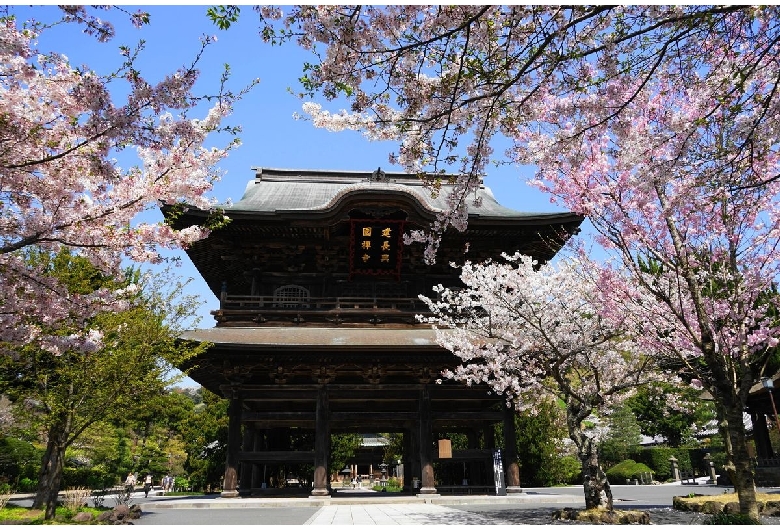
(398, 514)
(362, 507)
(368, 508)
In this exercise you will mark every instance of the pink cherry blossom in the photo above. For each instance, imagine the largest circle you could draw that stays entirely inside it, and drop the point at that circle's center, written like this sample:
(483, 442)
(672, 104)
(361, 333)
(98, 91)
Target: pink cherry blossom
(534, 332)
(658, 122)
(61, 186)
(692, 218)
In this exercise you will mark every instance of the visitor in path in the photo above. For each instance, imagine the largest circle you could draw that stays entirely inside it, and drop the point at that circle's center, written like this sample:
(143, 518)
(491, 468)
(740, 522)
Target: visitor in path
(147, 484)
(130, 483)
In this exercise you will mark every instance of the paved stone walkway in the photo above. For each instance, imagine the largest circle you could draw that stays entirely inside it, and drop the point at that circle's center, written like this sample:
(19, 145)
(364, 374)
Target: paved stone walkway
(402, 514)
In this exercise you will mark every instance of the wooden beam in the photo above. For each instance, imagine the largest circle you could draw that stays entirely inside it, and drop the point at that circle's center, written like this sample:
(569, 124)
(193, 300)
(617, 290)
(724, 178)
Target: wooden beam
(372, 416)
(275, 457)
(277, 416)
(488, 415)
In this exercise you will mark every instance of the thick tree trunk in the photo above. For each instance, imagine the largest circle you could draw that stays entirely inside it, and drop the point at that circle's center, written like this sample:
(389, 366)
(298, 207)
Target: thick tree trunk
(739, 462)
(50, 475)
(598, 493)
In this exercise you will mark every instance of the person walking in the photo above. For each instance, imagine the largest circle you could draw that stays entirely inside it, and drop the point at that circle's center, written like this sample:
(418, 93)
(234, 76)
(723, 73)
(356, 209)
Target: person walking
(130, 483)
(147, 484)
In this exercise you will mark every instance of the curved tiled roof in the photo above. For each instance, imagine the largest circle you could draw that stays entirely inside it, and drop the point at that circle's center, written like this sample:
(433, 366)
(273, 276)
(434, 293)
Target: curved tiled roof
(278, 190)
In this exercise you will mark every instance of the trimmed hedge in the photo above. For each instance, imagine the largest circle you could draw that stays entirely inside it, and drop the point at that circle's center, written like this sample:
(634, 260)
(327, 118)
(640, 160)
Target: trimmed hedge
(657, 459)
(626, 470)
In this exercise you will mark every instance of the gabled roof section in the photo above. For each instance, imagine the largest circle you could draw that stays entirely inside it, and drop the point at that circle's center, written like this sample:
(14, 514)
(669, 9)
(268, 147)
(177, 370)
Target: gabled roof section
(303, 190)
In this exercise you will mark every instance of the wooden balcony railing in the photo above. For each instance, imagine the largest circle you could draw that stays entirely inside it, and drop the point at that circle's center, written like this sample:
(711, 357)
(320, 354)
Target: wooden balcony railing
(343, 308)
(269, 303)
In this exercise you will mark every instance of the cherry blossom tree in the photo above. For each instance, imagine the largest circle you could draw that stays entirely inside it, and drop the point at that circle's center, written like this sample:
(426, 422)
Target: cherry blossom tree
(660, 123)
(447, 82)
(62, 396)
(62, 128)
(694, 218)
(534, 332)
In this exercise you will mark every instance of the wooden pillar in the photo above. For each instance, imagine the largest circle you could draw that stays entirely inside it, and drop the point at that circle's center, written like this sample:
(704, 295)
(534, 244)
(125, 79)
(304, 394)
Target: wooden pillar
(258, 476)
(230, 484)
(411, 463)
(472, 468)
(426, 444)
(511, 467)
(245, 477)
(490, 437)
(761, 435)
(321, 443)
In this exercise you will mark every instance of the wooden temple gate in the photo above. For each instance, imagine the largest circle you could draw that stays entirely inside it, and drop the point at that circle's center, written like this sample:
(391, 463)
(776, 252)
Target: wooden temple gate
(317, 330)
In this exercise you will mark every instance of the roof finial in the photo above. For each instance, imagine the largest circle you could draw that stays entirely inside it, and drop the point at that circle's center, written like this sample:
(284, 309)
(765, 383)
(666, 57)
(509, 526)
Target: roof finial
(378, 175)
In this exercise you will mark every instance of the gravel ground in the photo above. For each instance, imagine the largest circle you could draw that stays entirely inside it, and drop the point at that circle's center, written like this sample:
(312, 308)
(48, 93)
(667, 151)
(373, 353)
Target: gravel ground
(657, 516)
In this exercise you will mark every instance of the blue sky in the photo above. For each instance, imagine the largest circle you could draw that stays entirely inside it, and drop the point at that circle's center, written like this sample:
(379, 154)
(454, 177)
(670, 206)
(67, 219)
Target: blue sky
(270, 137)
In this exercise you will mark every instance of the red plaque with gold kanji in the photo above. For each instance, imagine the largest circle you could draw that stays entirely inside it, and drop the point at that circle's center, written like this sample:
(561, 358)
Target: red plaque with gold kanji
(376, 247)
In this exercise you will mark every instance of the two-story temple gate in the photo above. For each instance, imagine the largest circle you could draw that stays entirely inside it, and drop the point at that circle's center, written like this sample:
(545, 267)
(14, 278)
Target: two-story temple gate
(316, 329)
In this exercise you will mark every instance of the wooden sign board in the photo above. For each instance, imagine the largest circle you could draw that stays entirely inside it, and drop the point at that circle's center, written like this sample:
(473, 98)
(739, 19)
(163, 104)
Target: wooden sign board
(445, 448)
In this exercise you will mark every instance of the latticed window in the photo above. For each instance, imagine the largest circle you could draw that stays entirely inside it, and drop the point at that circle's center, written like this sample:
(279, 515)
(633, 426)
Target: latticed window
(291, 296)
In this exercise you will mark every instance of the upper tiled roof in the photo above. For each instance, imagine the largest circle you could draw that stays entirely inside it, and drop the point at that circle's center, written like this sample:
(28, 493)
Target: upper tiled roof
(277, 190)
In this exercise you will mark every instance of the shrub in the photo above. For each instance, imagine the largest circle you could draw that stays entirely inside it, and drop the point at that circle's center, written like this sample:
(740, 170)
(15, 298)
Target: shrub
(75, 498)
(93, 478)
(538, 445)
(569, 471)
(27, 485)
(181, 484)
(18, 459)
(657, 459)
(626, 470)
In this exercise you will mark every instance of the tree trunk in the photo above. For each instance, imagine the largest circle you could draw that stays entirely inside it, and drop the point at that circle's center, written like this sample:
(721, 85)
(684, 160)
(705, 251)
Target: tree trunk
(739, 462)
(598, 493)
(50, 475)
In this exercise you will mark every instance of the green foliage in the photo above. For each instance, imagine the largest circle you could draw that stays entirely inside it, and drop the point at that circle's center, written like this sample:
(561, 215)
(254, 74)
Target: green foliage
(91, 478)
(181, 484)
(393, 486)
(657, 458)
(204, 434)
(27, 485)
(656, 418)
(567, 471)
(539, 437)
(19, 459)
(395, 449)
(622, 437)
(626, 470)
(342, 449)
(18, 515)
(730, 518)
(223, 16)
(76, 390)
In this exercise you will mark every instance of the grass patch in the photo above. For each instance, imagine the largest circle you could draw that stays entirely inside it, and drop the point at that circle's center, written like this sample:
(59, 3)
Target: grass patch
(17, 514)
(726, 498)
(388, 489)
(20, 515)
